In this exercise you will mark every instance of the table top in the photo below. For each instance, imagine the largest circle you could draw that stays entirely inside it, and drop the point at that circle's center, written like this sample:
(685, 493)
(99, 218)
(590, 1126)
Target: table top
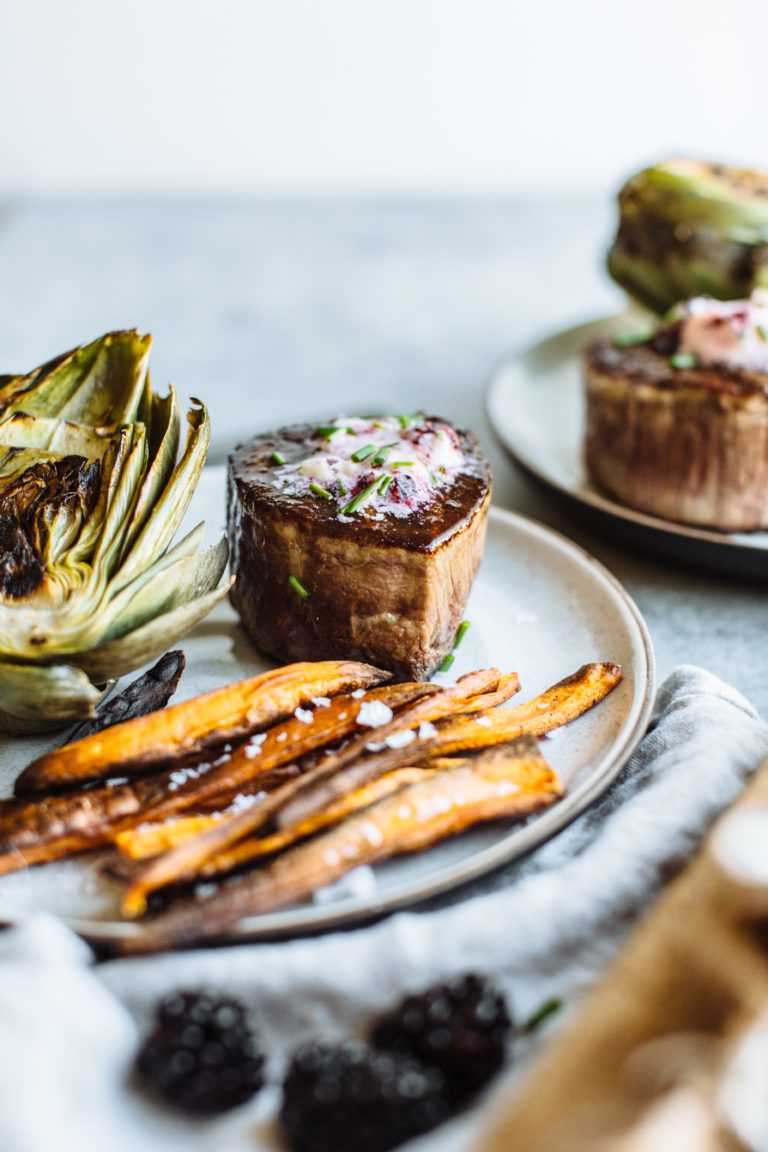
(275, 311)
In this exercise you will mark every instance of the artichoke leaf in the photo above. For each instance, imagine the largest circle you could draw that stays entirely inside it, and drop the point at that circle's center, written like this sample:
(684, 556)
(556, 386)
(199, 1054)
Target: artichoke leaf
(169, 510)
(175, 584)
(123, 500)
(150, 640)
(34, 697)
(111, 391)
(60, 437)
(163, 440)
(48, 389)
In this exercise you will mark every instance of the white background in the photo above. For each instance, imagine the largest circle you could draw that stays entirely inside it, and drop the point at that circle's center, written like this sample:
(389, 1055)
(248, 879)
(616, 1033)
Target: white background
(382, 96)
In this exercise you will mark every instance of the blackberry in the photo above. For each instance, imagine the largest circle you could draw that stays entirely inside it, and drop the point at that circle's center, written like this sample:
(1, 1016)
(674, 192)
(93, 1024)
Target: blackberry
(460, 1027)
(201, 1054)
(350, 1098)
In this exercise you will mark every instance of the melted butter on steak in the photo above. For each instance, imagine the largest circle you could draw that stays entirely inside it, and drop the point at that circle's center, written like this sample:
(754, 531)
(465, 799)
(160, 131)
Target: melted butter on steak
(388, 464)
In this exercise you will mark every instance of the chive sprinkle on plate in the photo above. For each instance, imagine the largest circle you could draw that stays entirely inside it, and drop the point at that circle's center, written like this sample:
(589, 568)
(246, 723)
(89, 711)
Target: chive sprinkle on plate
(278, 458)
(461, 632)
(547, 1009)
(446, 664)
(320, 491)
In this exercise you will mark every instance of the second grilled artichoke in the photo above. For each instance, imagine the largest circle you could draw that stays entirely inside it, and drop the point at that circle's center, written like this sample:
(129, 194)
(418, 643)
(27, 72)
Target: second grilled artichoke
(687, 228)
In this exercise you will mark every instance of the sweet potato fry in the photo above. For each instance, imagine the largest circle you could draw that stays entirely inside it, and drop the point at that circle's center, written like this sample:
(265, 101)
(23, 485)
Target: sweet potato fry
(189, 856)
(559, 705)
(502, 782)
(145, 840)
(290, 741)
(46, 828)
(150, 839)
(226, 714)
(53, 827)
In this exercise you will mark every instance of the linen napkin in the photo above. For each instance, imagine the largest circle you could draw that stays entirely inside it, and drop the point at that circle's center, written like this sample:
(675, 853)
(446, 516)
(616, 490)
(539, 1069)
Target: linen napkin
(547, 927)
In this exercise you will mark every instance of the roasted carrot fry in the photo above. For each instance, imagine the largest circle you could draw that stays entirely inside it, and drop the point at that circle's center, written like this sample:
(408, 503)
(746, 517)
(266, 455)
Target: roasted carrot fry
(323, 724)
(502, 782)
(226, 714)
(559, 705)
(188, 857)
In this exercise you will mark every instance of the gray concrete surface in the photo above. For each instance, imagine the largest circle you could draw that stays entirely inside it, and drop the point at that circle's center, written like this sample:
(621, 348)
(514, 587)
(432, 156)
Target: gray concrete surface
(274, 312)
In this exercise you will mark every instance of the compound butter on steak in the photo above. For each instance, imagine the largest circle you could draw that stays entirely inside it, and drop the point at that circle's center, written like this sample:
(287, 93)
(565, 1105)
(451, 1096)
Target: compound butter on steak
(358, 539)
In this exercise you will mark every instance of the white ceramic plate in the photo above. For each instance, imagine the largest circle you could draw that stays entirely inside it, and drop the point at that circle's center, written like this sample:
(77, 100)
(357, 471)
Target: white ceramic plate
(540, 606)
(535, 405)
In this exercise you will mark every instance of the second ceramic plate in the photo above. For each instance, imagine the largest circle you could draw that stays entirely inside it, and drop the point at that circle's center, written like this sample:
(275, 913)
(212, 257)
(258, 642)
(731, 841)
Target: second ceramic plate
(535, 405)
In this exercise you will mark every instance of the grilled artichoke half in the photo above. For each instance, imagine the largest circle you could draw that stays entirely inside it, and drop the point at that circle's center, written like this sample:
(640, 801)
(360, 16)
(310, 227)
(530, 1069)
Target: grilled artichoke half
(92, 491)
(687, 228)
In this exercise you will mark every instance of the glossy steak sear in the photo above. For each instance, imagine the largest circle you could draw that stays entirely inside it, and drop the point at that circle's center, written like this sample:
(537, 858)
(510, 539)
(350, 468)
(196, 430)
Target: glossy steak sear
(372, 556)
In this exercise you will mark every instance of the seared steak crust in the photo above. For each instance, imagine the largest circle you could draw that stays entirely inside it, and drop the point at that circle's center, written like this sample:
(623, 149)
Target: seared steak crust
(387, 589)
(685, 444)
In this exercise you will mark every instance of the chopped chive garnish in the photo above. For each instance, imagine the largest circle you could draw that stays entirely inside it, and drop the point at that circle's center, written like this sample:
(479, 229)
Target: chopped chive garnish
(683, 360)
(341, 487)
(446, 664)
(405, 421)
(547, 1009)
(402, 464)
(320, 491)
(361, 498)
(298, 587)
(278, 458)
(328, 431)
(363, 453)
(461, 632)
(385, 483)
(628, 339)
(380, 459)
(762, 332)
(434, 477)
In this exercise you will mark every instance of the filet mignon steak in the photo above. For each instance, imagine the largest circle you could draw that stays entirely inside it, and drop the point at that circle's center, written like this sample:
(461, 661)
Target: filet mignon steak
(685, 443)
(360, 538)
